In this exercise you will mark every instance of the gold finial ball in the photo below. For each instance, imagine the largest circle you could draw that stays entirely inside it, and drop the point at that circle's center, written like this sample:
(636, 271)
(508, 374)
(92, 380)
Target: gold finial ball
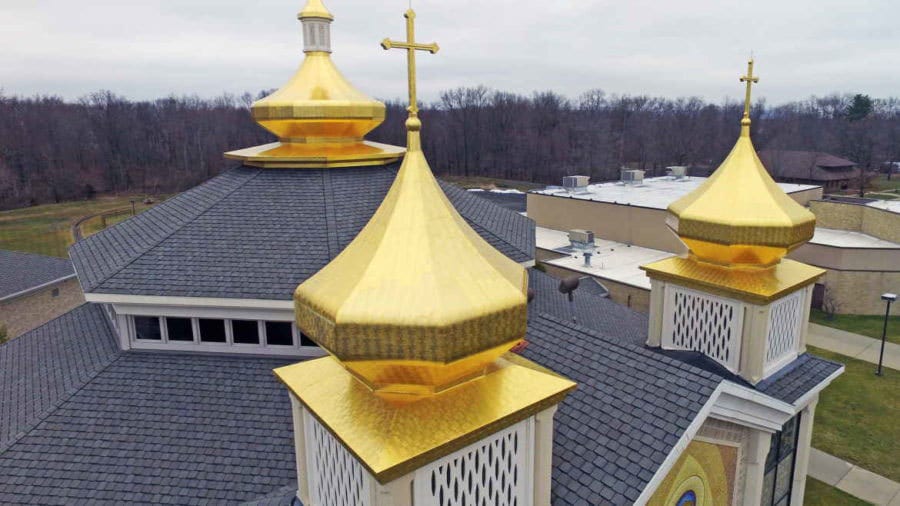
(413, 124)
(745, 122)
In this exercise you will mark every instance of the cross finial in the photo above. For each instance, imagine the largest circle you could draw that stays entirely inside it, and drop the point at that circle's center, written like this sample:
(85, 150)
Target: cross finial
(411, 47)
(750, 79)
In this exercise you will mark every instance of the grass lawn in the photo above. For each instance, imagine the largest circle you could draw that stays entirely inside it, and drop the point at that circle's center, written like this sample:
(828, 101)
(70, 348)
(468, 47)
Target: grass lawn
(866, 325)
(822, 494)
(857, 416)
(46, 229)
(881, 183)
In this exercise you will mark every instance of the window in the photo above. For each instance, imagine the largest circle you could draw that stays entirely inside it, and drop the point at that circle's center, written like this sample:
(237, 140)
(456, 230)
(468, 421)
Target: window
(780, 465)
(279, 334)
(180, 329)
(245, 331)
(305, 340)
(212, 331)
(689, 498)
(147, 327)
(54, 292)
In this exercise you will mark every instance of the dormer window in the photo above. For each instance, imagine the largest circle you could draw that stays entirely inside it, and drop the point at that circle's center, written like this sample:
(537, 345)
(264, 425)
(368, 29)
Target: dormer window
(180, 329)
(147, 328)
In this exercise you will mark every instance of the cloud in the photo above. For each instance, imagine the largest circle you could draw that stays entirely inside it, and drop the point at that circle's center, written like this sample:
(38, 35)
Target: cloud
(686, 48)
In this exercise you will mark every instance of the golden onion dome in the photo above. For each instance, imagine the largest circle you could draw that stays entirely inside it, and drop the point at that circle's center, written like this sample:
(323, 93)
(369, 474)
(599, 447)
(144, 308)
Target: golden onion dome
(739, 216)
(418, 302)
(320, 118)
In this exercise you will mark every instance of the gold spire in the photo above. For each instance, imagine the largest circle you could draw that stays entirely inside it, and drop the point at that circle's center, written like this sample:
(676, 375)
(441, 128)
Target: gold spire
(418, 301)
(315, 9)
(319, 117)
(739, 216)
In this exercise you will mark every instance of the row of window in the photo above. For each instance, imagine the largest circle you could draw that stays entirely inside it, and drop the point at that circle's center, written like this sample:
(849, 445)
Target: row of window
(218, 331)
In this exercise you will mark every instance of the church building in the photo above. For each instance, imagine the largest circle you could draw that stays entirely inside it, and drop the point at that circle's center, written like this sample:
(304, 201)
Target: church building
(327, 324)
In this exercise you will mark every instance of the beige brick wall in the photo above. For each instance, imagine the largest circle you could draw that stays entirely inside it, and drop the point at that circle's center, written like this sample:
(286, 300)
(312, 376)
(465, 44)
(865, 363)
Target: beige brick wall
(24, 313)
(881, 223)
(837, 215)
(859, 292)
(626, 295)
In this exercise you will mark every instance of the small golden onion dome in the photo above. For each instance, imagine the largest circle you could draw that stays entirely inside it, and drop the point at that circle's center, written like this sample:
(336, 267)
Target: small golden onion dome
(315, 9)
(418, 302)
(319, 117)
(739, 216)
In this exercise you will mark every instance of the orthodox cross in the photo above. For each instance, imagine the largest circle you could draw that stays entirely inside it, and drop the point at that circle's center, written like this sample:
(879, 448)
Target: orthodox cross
(411, 47)
(750, 79)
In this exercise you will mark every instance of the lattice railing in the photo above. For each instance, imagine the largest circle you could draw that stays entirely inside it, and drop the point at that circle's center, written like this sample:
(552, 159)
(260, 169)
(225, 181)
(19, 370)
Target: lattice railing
(335, 476)
(697, 321)
(496, 471)
(784, 329)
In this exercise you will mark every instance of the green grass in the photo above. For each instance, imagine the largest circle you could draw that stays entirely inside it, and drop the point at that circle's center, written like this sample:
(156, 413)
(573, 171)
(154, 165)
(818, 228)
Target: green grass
(881, 183)
(46, 229)
(822, 494)
(865, 325)
(857, 416)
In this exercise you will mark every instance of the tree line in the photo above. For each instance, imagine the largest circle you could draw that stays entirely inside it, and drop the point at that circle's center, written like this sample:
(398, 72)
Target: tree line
(53, 150)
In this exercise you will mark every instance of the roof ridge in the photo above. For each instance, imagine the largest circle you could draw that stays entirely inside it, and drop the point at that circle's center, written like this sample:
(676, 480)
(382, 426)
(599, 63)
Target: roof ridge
(172, 232)
(68, 394)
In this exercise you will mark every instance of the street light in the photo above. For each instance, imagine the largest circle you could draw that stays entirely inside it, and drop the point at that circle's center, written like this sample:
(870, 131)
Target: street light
(887, 297)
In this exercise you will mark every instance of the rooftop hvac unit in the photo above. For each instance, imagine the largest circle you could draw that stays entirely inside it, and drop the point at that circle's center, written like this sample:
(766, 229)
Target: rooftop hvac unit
(633, 177)
(677, 171)
(581, 238)
(575, 182)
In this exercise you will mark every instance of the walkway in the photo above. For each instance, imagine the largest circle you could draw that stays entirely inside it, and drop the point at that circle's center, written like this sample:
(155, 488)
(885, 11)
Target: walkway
(853, 480)
(853, 345)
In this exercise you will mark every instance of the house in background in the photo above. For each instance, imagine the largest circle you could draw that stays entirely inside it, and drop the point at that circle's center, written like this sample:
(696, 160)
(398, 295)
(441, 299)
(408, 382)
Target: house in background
(810, 167)
(34, 289)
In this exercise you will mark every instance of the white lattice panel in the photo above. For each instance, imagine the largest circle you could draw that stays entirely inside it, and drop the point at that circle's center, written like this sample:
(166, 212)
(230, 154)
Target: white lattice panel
(496, 471)
(696, 321)
(784, 328)
(336, 478)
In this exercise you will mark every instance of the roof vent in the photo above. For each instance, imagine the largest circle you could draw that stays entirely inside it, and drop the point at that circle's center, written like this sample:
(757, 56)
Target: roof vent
(575, 183)
(677, 171)
(633, 177)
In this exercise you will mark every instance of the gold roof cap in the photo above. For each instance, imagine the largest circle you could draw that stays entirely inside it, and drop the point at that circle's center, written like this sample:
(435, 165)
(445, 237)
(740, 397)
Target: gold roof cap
(418, 302)
(739, 216)
(315, 9)
(320, 118)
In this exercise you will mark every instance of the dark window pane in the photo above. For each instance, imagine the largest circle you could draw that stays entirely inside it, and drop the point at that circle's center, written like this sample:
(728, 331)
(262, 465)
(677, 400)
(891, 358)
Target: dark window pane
(305, 340)
(147, 327)
(212, 331)
(768, 488)
(788, 438)
(180, 329)
(245, 331)
(279, 334)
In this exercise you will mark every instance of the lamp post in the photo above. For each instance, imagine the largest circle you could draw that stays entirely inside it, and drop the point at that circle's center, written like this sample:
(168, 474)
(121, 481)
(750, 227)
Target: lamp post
(887, 297)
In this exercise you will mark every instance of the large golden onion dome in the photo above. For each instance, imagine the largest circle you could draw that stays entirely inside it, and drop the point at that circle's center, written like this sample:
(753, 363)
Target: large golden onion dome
(319, 117)
(739, 216)
(418, 302)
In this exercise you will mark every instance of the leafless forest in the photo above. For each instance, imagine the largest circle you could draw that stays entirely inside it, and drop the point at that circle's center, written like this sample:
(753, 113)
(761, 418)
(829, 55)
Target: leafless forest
(52, 150)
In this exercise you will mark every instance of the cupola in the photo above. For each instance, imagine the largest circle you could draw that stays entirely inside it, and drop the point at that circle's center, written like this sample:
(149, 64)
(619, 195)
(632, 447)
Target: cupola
(319, 117)
(734, 298)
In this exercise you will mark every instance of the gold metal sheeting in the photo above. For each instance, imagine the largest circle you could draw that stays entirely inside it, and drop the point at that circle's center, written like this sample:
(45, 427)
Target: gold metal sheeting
(740, 208)
(417, 283)
(317, 102)
(317, 155)
(315, 9)
(754, 285)
(406, 380)
(391, 440)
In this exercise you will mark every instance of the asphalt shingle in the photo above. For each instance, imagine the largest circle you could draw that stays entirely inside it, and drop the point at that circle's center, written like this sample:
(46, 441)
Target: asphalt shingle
(23, 271)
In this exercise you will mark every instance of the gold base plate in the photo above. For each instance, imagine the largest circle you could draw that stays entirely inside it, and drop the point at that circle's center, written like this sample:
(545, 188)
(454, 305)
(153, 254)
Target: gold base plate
(392, 439)
(756, 285)
(290, 155)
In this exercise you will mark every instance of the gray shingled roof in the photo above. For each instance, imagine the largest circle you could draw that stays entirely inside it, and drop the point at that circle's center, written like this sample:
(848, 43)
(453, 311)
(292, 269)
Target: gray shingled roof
(252, 233)
(24, 271)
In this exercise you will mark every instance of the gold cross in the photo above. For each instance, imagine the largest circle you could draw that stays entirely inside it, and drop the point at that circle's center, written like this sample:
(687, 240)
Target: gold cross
(750, 79)
(411, 47)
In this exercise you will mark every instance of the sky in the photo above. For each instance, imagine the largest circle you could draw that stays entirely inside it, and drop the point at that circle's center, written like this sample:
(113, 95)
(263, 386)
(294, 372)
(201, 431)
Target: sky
(154, 48)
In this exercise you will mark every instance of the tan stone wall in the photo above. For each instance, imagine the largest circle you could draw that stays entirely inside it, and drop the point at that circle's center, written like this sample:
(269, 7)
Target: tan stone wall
(626, 295)
(32, 310)
(870, 220)
(638, 226)
(881, 223)
(859, 292)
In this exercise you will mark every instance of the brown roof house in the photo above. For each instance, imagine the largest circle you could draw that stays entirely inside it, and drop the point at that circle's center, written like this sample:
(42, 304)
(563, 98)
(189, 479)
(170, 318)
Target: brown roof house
(34, 289)
(809, 167)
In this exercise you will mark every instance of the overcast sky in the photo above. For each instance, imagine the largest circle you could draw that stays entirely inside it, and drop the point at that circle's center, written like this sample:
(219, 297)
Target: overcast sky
(148, 49)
